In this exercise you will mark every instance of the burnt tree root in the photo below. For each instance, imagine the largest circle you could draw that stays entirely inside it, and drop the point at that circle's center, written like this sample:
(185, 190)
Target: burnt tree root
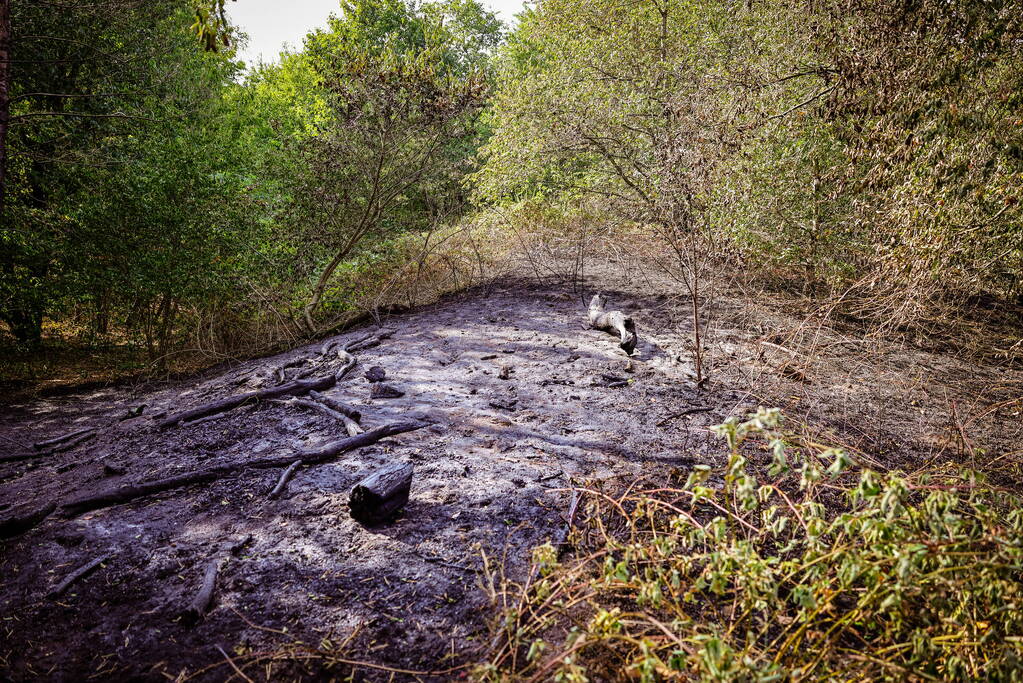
(204, 598)
(118, 495)
(285, 477)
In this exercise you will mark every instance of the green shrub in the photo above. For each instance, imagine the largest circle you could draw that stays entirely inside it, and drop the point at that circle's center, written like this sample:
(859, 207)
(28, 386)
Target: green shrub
(802, 567)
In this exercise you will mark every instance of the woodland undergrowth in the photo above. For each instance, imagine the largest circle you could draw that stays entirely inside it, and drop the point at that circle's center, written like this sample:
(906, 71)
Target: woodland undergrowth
(790, 562)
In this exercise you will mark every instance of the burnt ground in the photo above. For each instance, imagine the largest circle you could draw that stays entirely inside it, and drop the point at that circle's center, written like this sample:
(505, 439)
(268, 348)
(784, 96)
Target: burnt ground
(518, 391)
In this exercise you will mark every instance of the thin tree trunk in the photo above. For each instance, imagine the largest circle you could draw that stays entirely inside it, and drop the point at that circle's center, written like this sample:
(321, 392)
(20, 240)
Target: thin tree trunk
(5, 91)
(321, 286)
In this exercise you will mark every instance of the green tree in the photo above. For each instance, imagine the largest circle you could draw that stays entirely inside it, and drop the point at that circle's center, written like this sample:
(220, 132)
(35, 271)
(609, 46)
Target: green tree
(401, 91)
(120, 169)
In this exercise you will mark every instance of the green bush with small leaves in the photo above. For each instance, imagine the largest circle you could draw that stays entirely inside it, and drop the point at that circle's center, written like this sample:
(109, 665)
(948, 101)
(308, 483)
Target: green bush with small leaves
(798, 566)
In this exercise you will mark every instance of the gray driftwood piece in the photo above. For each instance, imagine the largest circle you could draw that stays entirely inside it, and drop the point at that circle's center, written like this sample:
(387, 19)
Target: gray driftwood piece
(204, 598)
(378, 497)
(614, 322)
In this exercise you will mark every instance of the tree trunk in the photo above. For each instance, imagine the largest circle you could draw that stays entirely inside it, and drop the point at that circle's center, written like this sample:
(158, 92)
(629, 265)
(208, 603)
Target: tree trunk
(321, 287)
(5, 92)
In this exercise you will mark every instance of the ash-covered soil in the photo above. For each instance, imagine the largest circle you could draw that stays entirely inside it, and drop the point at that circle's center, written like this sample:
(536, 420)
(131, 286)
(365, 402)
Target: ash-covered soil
(517, 389)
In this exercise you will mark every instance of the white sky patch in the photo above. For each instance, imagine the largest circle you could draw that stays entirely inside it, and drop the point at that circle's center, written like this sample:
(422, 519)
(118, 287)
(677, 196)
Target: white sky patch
(272, 24)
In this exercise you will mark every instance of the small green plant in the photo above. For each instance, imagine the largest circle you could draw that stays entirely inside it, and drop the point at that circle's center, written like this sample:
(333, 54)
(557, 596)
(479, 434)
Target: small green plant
(803, 567)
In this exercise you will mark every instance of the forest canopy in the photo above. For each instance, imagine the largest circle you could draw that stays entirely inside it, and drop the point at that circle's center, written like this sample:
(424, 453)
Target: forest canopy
(158, 194)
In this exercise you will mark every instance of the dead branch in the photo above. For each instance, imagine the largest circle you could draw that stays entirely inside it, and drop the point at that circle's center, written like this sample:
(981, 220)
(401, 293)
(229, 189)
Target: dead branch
(281, 373)
(300, 386)
(59, 589)
(562, 536)
(42, 445)
(369, 342)
(337, 405)
(123, 494)
(67, 445)
(687, 411)
(283, 481)
(325, 405)
(204, 598)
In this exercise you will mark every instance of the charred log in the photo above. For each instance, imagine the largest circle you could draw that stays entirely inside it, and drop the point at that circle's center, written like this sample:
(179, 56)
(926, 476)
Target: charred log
(20, 523)
(380, 496)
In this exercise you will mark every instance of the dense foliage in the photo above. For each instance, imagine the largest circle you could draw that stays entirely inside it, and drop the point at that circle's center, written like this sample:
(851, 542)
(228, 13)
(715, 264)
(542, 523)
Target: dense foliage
(804, 567)
(865, 144)
(158, 195)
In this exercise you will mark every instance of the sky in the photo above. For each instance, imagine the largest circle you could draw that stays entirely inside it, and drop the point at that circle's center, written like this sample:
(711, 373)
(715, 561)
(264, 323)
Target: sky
(272, 23)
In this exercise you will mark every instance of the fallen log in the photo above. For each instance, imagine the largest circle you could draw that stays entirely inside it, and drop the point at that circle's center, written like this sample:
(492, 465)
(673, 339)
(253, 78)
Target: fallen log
(300, 386)
(42, 445)
(84, 570)
(117, 494)
(20, 523)
(59, 448)
(283, 481)
(614, 322)
(378, 497)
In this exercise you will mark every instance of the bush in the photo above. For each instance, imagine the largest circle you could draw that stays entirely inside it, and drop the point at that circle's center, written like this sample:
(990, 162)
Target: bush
(805, 567)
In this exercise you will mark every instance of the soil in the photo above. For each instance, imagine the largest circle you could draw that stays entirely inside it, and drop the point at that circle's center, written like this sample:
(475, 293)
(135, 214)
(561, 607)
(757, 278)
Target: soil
(525, 402)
